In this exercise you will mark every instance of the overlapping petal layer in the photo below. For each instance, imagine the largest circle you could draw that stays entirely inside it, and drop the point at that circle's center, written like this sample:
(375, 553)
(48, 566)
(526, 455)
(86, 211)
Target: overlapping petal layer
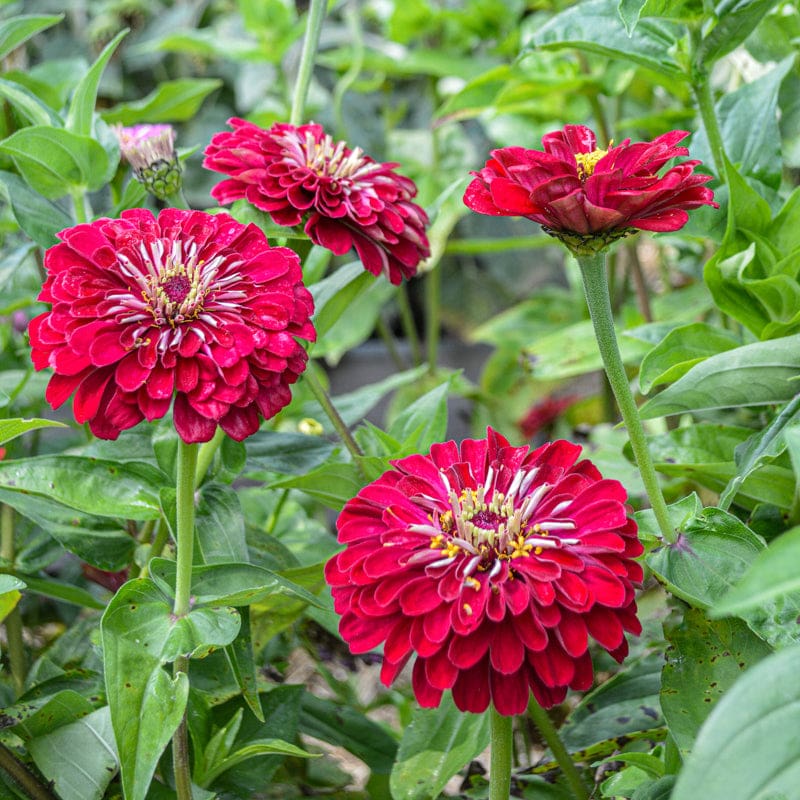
(346, 199)
(495, 565)
(188, 305)
(574, 188)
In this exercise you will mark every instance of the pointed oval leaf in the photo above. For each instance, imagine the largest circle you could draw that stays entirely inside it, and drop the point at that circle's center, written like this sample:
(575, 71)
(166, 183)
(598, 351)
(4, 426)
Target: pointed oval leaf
(15, 31)
(172, 101)
(749, 747)
(11, 428)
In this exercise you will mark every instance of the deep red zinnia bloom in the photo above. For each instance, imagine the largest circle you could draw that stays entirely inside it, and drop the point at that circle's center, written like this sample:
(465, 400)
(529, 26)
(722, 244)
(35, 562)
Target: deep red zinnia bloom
(188, 305)
(494, 565)
(587, 197)
(346, 199)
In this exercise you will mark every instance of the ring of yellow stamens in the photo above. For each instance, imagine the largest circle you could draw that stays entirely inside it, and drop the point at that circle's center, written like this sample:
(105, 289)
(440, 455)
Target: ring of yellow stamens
(588, 161)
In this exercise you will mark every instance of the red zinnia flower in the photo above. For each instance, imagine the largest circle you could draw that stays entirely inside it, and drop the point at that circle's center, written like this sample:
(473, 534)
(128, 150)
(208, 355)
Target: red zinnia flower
(588, 197)
(191, 305)
(494, 564)
(347, 199)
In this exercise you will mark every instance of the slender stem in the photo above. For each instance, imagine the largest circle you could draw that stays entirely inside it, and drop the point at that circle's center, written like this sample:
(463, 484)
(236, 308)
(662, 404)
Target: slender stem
(23, 777)
(500, 759)
(161, 534)
(550, 735)
(387, 338)
(705, 103)
(207, 452)
(13, 621)
(184, 535)
(481, 246)
(407, 320)
(316, 13)
(595, 284)
(433, 292)
(80, 206)
(338, 423)
(178, 200)
(639, 283)
(352, 16)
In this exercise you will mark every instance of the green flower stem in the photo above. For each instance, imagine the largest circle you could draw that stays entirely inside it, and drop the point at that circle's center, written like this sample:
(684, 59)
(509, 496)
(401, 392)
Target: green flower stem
(187, 469)
(13, 622)
(338, 423)
(433, 293)
(595, 284)
(550, 735)
(206, 455)
(387, 338)
(23, 777)
(407, 320)
(705, 103)
(178, 200)
(500, 759)
(160, 535)
(316, 13)
(80, 206)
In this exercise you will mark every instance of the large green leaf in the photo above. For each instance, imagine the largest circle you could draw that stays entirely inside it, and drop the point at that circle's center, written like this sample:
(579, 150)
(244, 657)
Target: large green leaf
(595, 26)
(346, 727)
(772, 574)
(292, 453)
(39, 218)
(230, 584)
(81, 107)
(172, 101)
(33, 110)
(140, 634)
(54, 161)
(92, 485)
(736, 20)
(754, 374)
(680, 350)
(337, 293)
(332, 484)
(705, 659)
(11, 428)
(424, 422)
(219, 525)
(16, 30)
(749, 747)
(434, 747)
(80, 759)
(712, 550)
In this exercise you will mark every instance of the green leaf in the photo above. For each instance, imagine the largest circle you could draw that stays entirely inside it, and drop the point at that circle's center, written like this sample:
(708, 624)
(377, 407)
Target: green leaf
(172, 101)
(243, 665)
(595, 26)
(755, 374)
(331, 484)
(629, 12)
(773, 573)
(260, 747)
(712, 551)
(62, 708)
(434, 747)
(680, 350)
(345, 727)
(79, 759)
(28, 105)
(425, 421)
(40, 219)
(16, 30)
(626, 703)
(337, 293)
(140, 634)
(230, 584)
(99, 541)
(705, 453)
(11, 428)
(736, 20)
(288, 453)
(219, 525)
(747, 748)
(81, 107)
(92, 485)
(55, 161)
(705, 659)
(65, 592)
(754, 149)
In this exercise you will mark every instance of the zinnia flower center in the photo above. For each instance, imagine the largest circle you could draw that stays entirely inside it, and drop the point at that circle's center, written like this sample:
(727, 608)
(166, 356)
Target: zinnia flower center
(587, 162)
(492, 527)
(331, 160)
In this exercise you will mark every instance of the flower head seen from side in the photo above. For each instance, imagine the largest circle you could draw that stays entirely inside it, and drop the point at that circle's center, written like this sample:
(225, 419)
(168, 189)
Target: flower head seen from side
(586, 196)
(346, 199)
(494, 564)
(150, 150)
(188, 306)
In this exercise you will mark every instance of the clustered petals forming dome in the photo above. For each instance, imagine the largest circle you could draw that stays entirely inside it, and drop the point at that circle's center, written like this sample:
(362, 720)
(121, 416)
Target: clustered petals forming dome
(586, 196)
(346, 199)
(188, 305)
(495, 565)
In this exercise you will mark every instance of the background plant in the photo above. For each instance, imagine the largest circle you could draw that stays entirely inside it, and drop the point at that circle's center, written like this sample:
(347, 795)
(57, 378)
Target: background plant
(707, 320)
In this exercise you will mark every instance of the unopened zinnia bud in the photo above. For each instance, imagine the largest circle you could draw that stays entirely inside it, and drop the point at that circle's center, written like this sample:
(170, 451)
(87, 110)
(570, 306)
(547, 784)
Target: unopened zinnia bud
(150, 150)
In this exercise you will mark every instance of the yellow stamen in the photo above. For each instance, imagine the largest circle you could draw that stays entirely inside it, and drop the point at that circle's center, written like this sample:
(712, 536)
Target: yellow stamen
(587, 162)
